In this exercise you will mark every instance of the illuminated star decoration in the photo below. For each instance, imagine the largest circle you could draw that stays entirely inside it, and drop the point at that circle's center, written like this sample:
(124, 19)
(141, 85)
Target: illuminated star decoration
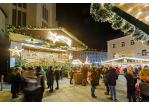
(70, 56)
(53, 37)
(34, 53)
(16, 51)
(58, 38)
(48, 44)
(51, 55)
(31, 41)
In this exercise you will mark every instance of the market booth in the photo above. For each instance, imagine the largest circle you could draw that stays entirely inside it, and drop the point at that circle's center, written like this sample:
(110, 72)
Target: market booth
(125, 62)
(78, 75)
(42, 46)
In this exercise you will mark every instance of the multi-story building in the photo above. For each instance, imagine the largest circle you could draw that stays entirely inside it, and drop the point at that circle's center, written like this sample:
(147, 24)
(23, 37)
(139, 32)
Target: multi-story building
(30, 14)
(94, 56)
(121, 43)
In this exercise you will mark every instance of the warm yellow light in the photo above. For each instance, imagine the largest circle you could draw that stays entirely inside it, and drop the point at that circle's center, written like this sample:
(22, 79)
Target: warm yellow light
(121, 4)
(129, 9)
(16, 51)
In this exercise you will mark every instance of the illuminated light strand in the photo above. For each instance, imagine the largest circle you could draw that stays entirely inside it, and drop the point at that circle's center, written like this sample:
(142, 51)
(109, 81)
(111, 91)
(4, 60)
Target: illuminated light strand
(58, 38)
(77, 61)
(16, 51)
(31, 41)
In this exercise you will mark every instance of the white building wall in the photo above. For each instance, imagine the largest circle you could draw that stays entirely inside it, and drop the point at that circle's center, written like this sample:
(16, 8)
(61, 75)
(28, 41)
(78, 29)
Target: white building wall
(138, 47)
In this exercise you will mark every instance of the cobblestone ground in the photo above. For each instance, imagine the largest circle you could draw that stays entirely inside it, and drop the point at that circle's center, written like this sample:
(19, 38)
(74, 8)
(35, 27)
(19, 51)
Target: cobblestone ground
(74, 93)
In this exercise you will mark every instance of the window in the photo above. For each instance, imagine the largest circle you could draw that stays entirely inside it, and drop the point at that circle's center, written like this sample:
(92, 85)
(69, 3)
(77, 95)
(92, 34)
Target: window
(44, 13)
(15, 4)
(14, 14)
(24, 18)
(24, 5)
(144, 53)
(123, 44)
(19, 18)
(132, 42)
(90, 53)
(113, 45)
(20, 4)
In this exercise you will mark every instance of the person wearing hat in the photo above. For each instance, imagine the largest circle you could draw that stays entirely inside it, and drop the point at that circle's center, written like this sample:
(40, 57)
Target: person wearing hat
(144, 73)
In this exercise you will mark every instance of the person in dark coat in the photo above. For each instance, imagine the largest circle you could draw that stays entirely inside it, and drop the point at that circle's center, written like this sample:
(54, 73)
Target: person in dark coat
(84, 71)
(98, 72)
(57, 75)
(50, 79)
(93, 82)
(61, 73)
(131, 81)
(112, 76)
(105, 81)
(16, 82)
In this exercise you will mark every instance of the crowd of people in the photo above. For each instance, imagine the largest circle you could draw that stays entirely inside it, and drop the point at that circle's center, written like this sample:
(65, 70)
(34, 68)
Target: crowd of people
(31, 80)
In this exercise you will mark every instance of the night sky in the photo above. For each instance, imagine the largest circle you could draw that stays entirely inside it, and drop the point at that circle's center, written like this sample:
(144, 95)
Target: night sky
(76, 18)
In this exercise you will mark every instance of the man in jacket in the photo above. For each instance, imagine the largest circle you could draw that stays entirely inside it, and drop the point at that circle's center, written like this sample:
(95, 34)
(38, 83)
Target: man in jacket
(84, 70)
(112, 76)
(98, 72)
(71, 74)
(57, 75)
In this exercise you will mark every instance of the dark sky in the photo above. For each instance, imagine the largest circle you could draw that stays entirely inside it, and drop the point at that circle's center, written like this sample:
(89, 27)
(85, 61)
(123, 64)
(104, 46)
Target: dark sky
(76, 18)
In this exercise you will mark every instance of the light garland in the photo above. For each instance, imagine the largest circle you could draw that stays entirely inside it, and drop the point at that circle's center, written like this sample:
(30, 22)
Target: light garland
(34, 53)
(31, 41)
(16, 51)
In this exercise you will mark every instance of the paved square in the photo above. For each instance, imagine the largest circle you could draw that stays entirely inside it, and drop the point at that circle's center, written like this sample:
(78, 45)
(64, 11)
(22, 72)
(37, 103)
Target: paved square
(74, 93)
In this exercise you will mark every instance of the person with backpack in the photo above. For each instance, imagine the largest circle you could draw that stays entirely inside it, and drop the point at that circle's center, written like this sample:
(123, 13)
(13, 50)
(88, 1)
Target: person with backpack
(112, 76)
(15, 81)
(33, 85)
(57, 75)
(93, 79)
(50, 79)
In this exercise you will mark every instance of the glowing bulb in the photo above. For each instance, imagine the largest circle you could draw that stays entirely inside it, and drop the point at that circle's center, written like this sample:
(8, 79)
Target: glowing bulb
(147, 20)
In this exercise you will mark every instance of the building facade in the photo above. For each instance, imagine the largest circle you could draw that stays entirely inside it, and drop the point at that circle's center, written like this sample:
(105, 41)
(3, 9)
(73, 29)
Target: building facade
(30, 14)
(94, 56)
(123, 44)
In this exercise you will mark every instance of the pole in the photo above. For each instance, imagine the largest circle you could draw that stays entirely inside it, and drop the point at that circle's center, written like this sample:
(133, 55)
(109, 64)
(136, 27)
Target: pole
(2, 76)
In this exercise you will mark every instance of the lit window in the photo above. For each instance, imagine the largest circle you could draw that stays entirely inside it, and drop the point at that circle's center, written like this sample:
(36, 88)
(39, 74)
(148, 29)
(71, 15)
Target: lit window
(123, 44)
(113, 45)
(132, 42)
(144, 53)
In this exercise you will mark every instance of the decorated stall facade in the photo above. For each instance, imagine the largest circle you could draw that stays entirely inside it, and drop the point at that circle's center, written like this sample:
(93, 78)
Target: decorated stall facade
(42, 46)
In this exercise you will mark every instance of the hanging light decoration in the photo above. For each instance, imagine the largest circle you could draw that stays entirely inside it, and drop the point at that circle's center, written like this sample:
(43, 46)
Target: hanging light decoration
(70, 56)
(51, 55)
(31, 41)
(15, 51)
(34, 53)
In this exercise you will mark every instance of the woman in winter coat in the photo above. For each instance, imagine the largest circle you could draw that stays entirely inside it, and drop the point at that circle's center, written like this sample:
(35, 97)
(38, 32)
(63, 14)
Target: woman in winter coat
(16, 82)
(93, 82)
(50, 78)
(131, 81)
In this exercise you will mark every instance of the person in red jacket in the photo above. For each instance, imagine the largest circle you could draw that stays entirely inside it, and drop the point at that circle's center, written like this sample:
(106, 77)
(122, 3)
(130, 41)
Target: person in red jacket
(117, 70)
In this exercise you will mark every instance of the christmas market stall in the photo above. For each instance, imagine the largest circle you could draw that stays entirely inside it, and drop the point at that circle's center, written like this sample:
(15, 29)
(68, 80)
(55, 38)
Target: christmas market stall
(43, 46)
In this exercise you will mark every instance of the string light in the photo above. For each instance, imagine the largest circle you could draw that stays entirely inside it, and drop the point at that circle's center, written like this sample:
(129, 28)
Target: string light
(70, 56)
(31, 41)
(77, 61)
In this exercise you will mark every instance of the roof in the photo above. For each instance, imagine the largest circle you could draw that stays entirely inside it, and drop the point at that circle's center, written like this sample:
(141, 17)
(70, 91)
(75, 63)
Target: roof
(118, 36)
(3, 12)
